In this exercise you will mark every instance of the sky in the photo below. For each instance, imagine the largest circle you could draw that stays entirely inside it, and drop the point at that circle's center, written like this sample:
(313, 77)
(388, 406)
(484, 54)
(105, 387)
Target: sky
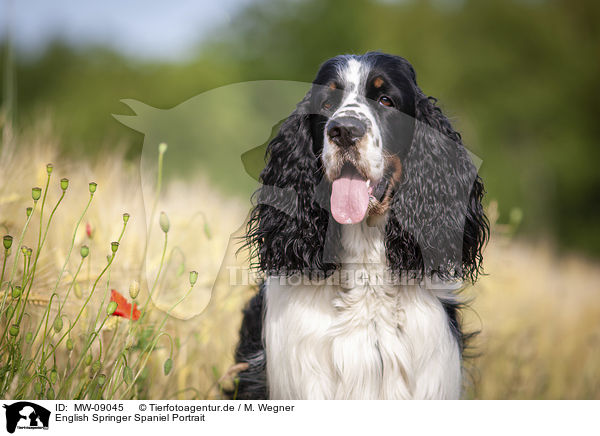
(140, 28)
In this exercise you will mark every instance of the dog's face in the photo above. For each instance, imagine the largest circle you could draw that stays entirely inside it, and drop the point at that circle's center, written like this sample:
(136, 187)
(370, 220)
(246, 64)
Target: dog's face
(368, 137)
(364, 127)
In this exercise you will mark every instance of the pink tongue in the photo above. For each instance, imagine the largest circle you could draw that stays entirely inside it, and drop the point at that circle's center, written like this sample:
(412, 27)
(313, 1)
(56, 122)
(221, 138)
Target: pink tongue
(349, 198)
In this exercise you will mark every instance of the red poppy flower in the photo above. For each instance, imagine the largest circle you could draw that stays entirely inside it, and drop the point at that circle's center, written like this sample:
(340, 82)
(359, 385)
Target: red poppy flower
(88, 230)
(124, 306)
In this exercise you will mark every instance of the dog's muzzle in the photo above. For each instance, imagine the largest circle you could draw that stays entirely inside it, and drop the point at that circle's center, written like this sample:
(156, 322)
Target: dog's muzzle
(346, 131)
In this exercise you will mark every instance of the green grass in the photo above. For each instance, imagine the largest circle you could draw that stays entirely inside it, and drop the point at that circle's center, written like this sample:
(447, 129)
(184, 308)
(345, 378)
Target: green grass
(42, 357)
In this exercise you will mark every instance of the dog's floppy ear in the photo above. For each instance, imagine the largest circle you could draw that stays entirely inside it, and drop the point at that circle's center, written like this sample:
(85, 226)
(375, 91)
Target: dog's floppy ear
(287, 228)
(436, 225)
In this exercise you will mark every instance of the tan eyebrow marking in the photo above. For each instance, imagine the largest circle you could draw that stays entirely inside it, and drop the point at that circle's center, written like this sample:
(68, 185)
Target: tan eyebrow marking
(378, 82)
(332, 85)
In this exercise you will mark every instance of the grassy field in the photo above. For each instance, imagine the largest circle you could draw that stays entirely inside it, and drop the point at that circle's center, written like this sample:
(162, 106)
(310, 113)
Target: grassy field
(61, 338)
(539, 316)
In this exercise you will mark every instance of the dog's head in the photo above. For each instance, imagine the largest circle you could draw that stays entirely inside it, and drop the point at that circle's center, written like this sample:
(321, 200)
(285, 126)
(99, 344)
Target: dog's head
(367, 144)
(364, 128)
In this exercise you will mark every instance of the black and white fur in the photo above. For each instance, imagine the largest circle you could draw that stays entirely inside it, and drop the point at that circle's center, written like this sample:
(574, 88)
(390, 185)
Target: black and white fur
(312, 334)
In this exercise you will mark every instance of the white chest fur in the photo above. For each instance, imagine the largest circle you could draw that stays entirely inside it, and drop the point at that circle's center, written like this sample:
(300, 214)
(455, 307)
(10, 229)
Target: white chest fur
(362, 339)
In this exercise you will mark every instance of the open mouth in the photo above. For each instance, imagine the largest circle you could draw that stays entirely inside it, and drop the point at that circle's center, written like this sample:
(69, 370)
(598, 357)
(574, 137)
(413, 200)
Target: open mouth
(351, 194)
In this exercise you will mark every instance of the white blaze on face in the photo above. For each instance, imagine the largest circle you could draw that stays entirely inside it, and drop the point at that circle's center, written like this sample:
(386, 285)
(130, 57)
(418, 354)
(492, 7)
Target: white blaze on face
(350, 194)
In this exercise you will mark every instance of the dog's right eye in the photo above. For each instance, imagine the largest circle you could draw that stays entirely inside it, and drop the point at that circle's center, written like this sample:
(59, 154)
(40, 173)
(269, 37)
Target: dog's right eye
(386, 101)
(327, 105)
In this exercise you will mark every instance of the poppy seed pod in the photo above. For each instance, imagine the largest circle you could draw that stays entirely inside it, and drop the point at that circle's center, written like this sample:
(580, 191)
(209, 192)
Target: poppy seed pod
(36, 193)
(53, 376)
(93, 186)
(58, 324)
(28, 211)
(14, 330)
(112, 306)
(49, 168)
(84, 251)
(64, 184)
(77, 290)
(134, 289)
(125, 217)
(164, 222)
(168, 366)
(193, 277)
(7, 241)
(114, 246)
(16, 292)
(101, 379)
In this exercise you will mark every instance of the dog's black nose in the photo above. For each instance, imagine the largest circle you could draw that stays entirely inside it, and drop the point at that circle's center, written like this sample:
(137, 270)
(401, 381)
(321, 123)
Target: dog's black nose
(346, 131)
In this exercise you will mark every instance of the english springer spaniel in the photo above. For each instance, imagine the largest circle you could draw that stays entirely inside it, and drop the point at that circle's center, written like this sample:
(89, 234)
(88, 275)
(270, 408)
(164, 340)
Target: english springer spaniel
(368, 222)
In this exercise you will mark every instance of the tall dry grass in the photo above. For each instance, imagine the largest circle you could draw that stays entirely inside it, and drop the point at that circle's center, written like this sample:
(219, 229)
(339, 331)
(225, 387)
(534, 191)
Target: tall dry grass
(538, 312)
(203, 327)
(539, 317)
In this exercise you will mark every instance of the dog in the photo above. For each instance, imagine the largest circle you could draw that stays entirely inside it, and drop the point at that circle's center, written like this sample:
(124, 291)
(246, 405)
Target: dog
(368, 223)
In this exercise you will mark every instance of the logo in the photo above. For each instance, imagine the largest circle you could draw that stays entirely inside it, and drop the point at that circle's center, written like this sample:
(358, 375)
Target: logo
(26, 415)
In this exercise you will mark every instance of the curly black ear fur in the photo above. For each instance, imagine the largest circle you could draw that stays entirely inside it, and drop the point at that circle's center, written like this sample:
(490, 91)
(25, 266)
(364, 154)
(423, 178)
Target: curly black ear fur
(287, 227)
(436, 226)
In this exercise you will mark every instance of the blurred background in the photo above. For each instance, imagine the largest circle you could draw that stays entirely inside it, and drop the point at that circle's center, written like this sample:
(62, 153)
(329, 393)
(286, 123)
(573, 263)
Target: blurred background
(518, 78)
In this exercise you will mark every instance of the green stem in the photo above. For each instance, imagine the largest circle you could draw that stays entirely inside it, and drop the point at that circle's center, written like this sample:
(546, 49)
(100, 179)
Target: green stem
(62, 271)
(86, 301)
(162, 260)
(37, 351)
(93, 336)
(60, 308)
(150, 347)
(110, 382)
(62, 305)
(2, 275)
(8, 321)
(30, 279)
(101, 306)
(45, 337)
(154, 207)
(112, 339)
(24, 270)
(37, 255)
(17, 248)
(42, 211)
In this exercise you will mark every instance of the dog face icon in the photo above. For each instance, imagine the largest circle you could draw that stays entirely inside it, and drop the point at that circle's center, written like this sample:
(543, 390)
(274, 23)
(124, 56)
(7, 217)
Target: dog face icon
(26, 414)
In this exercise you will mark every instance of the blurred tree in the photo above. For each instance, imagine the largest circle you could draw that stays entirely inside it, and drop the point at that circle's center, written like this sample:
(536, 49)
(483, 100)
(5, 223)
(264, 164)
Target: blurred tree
(518, 78)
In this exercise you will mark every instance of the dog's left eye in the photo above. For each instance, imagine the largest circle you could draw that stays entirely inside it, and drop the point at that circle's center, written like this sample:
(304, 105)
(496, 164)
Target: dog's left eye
(384, 100)
(327, 105)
